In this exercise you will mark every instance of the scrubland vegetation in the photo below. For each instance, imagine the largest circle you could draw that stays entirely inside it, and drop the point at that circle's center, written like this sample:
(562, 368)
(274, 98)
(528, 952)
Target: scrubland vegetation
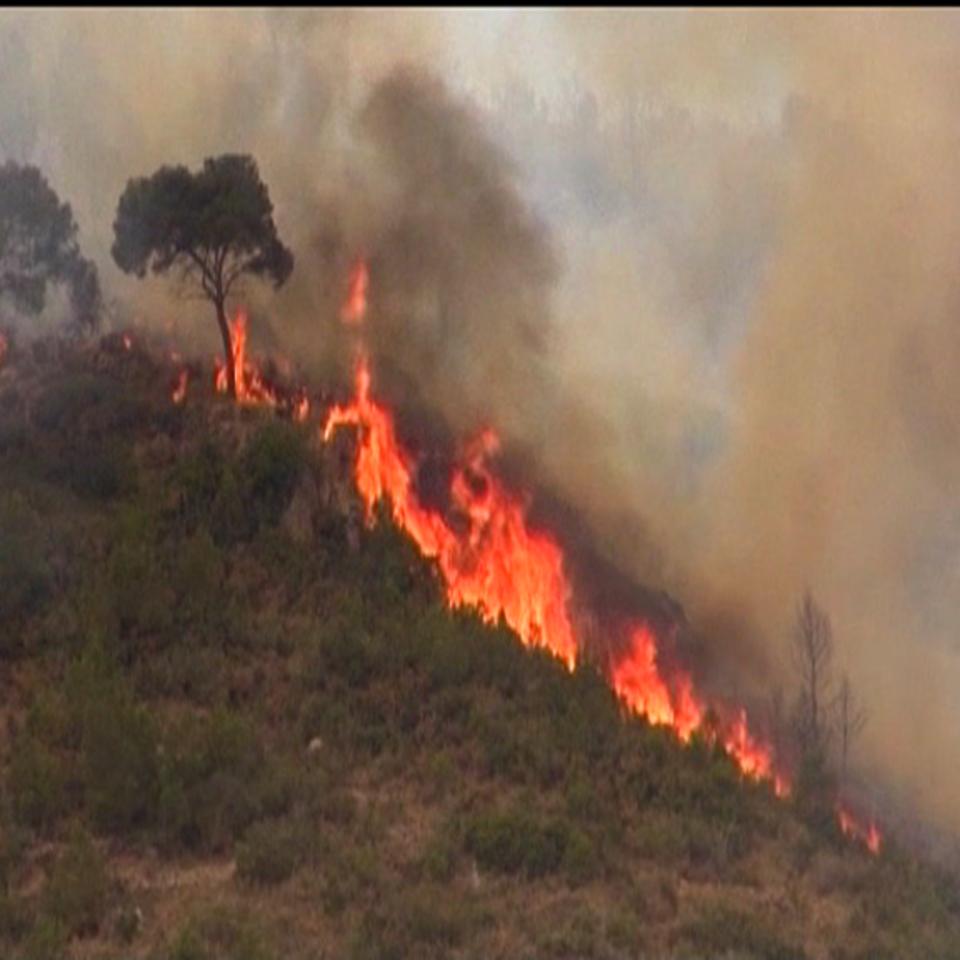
(237, 723)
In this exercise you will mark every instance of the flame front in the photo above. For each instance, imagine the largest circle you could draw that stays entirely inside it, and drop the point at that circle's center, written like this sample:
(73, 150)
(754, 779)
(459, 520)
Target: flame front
(498, 566)
(493, 562)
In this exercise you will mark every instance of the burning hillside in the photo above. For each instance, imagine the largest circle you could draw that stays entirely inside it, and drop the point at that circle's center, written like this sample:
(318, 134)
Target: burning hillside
(493, 561)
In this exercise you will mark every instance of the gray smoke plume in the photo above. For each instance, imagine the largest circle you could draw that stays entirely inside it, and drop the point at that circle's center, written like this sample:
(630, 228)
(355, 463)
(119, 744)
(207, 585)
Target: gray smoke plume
(697, 267)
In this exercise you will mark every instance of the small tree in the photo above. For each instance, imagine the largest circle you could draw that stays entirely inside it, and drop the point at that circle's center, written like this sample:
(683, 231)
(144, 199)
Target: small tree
(851, 719)
(38, 246)
(215, 226)
(812, 651)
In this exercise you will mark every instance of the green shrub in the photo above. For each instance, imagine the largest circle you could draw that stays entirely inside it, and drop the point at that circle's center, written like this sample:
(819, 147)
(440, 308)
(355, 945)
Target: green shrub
(576, 934)
(199, 477)
(271, 466)
(98, 470)
(721, 929)
(86, 403)
(37, 783)
(424, 922)
(269, 853)
(517, 842)
(118, 746)
(141, 602)
(23, 571)
(198, 581)
(78, 887)
(439, 858)
(47, 940)
(215, 781)
(220, 933)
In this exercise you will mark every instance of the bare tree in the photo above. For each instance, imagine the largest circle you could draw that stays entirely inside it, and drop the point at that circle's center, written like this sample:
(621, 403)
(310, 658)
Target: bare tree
(812, 651)
(778, 722)
(851, 719)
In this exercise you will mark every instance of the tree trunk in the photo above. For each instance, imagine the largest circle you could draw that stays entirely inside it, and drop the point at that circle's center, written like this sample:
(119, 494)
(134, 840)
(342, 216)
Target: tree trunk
(227, 347)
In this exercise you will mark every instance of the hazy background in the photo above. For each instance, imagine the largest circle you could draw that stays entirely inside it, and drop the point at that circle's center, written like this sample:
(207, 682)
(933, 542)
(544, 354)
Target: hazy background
(700, 267)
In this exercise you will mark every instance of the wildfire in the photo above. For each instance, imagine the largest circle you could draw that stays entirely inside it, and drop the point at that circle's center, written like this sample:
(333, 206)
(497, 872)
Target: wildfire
(498, 565)
(300, 408)
(180, 389)
(636, 679)
(355, 305)
(127, 342)
(4, 348)
(492, 561)
(853, 829)
(252, 388)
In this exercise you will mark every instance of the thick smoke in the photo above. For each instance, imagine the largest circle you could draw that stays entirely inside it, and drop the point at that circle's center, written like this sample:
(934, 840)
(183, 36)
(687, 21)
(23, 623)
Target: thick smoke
(698, 267)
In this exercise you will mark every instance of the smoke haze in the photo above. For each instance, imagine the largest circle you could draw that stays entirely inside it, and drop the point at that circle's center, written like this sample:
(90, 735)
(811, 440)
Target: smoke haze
(698, 267)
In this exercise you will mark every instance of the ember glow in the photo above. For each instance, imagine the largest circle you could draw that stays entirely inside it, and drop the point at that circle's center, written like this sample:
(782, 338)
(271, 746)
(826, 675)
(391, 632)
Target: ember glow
(180, 389)
(853, 829)
(492, 561)
(355, 305)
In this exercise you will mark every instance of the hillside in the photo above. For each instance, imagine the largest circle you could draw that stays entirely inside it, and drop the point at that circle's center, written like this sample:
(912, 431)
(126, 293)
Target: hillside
(238, 723)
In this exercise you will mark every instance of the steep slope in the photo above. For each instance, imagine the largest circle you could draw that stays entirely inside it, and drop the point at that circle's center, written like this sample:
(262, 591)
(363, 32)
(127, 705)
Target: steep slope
(237, 722)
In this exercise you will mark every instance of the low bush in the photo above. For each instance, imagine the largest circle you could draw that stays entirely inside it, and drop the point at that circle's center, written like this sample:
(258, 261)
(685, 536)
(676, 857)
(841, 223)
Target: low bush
(269, 853)
(425, 922)
(215, 781)
(517, 842)
(720, 929)
(77, 890)
(37, 784)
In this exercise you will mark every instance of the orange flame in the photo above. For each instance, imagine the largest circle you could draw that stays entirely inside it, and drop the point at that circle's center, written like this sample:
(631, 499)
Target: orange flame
(300, 408)
(853, 829)
(636, 679)
(355, 306)
(250, 388)
(127, 342)
(498, 566)
(502, 568)
(495, 564)
(180, 390)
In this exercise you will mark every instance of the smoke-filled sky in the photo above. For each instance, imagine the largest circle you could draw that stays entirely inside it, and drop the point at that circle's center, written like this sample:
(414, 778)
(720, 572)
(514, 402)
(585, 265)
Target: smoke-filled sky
(699, 266)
